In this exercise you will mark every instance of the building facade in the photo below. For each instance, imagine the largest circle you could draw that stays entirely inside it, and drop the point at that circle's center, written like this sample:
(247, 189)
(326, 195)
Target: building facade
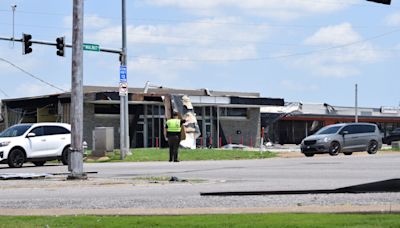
(222, 117)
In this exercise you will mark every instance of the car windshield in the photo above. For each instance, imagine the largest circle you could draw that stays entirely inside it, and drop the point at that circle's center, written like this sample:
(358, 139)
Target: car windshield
(328, 130)
(16, 130)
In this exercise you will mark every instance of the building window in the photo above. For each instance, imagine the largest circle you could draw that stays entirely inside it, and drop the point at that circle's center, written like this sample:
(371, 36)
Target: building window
(106, 109)
(237, 112)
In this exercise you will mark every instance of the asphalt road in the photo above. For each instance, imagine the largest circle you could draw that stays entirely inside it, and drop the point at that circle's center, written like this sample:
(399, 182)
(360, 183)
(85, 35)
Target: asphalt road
(142, 188)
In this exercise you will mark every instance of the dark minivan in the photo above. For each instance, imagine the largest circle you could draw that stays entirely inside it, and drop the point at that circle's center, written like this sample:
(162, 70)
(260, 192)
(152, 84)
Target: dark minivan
(343, 138)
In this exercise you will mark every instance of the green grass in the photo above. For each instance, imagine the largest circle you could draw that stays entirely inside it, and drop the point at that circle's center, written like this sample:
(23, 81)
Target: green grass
(240, 220)
(151, 154)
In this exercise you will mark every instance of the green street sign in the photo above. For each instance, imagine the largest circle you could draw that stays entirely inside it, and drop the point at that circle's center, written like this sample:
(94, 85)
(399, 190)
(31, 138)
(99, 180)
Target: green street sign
(91, 47)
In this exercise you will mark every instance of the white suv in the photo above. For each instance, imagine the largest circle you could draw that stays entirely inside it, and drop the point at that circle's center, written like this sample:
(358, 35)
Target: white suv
(36, 143)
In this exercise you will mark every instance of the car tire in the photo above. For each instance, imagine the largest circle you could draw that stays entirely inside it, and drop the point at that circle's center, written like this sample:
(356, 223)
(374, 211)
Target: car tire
(334, 149)
(309, 154)
(64, 156)
(16, 158)
(347, 153)
(372, 147)
(39, 163)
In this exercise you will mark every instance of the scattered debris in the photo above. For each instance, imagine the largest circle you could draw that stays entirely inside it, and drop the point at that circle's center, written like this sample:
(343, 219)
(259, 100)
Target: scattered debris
(236, 147)
(176, 179)
(16, 176)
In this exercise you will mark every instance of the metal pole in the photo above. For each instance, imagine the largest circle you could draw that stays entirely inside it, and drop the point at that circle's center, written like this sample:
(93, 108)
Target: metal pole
(356, 105)
(13, 7)
(122, 127)
(76, 150)
(124, 108)
(218, 134)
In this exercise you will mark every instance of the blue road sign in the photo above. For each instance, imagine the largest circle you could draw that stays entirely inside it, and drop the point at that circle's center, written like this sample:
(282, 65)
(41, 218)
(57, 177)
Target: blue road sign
(123, 74)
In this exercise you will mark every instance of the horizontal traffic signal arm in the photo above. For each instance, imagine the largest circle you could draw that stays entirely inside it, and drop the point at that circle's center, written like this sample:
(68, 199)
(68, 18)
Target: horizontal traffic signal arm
(48, 43)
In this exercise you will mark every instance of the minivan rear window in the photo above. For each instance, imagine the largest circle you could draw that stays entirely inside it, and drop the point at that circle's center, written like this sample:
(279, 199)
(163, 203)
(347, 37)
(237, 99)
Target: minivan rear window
(366, 129)
(328, 130)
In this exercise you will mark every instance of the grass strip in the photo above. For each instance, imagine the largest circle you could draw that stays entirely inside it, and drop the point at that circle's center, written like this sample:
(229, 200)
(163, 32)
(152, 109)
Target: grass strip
(238, 220)
(153, 154)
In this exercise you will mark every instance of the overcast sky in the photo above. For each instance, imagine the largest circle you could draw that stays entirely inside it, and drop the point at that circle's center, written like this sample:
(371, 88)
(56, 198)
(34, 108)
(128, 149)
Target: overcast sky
(313, 51)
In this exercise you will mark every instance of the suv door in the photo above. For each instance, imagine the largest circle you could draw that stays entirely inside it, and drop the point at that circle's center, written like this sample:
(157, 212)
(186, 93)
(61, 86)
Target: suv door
(57, 137)
(37, 145)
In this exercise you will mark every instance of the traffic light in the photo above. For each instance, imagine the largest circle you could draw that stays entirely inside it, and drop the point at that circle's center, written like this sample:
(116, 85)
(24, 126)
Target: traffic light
(27, 43)
(60, 44)
(386, 2)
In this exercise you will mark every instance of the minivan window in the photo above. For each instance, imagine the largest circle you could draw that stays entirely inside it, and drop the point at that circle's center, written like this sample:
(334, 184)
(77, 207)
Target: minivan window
(359, 128)
(351, 129)
(367, 129)
(328, 130)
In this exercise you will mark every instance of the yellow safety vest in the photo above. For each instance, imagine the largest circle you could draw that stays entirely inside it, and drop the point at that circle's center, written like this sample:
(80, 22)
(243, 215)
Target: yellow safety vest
(174, 125)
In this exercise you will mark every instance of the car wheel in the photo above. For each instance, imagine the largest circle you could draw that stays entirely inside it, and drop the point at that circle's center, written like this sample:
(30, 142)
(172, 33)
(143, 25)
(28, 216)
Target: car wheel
(39, 163)
(347, 153)
(372, 147)
(334, 149)
(309, 155)
(64, 156)
(16, 158)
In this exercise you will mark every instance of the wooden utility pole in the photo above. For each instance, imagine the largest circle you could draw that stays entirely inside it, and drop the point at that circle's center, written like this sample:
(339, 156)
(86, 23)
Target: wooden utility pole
(75, 163)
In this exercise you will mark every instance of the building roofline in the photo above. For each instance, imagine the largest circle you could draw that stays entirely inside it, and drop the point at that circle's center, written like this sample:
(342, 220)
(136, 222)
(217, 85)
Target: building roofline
(161, 90)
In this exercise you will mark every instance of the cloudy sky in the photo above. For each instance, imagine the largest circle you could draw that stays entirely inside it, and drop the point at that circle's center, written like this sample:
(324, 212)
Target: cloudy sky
(313, 51)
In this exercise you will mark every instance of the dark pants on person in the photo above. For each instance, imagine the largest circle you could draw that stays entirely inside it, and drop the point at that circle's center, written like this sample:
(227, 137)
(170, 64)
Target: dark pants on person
(173, 141)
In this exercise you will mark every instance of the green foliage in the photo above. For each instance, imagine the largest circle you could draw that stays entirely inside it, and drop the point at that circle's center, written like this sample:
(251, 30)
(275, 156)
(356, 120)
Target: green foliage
(152, 154)
(234, 220)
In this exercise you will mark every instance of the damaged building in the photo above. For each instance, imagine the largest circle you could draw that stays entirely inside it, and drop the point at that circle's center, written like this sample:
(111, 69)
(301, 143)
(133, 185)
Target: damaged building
(293, 122)
(215, 118)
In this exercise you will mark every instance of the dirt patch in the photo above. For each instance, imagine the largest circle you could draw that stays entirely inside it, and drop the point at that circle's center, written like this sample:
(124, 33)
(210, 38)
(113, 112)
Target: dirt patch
(289, 154)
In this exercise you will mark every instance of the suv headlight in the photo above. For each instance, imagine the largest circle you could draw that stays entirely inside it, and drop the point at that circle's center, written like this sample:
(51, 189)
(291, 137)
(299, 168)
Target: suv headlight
(325, 139)
(6, 143)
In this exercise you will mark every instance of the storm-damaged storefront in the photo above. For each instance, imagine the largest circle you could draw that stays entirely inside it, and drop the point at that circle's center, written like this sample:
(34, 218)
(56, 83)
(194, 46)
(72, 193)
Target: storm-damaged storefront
(213, 118)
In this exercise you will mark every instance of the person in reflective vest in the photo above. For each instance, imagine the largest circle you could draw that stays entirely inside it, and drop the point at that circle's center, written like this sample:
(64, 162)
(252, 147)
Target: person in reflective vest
(172, 130)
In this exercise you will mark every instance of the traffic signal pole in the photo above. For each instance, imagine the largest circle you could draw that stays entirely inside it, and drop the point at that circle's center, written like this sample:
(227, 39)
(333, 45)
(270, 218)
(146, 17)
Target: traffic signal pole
(124, 107)
(75, 164)
(60, 45)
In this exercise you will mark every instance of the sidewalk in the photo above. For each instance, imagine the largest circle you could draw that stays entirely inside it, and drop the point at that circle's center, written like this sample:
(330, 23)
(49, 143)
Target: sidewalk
(278, 148)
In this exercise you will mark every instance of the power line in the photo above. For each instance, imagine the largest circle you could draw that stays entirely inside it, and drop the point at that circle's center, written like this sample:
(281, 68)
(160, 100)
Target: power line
(199, 22)
(170, 21)
(31, 75)
(4, 93)
(187, 38)
(271, 57)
